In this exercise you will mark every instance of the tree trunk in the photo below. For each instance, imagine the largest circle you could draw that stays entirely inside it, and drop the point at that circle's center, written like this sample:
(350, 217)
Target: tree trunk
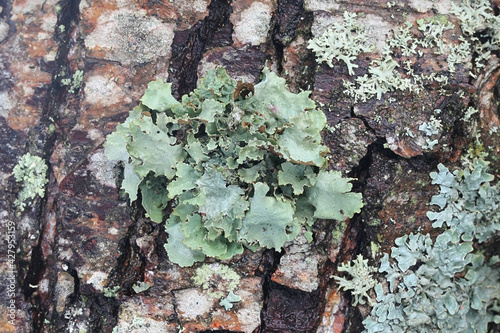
(71, 70)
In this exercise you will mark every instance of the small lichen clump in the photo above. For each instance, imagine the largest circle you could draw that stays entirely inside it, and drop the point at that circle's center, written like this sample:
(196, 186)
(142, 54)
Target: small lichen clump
(75, 83)
(31, 171)
(361, 280)
(218, 281)
(240, 165)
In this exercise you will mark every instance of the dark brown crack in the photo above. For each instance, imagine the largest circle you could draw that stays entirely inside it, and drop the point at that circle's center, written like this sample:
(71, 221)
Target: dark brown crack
(290, 310)
(189, 46)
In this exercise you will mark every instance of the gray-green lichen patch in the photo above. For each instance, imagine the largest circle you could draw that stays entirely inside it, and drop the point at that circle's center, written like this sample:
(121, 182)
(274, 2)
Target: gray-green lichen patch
(298, 267)
(130, 37)
(65, 286)
(444, 285)
(193, 303)
(141, 314)
(251, 25)
(102, 168)
(469, 205)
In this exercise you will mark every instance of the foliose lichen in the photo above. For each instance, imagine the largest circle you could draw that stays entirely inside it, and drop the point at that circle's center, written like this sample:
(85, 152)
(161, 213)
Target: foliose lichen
(428, 291)
(443, 286)
(240, 165)
(470, 205)
(140, 286)
(73, 83)
(32, 172)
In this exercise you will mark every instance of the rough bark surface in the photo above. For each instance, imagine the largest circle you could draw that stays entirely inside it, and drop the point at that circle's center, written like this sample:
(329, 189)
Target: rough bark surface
(85, 238)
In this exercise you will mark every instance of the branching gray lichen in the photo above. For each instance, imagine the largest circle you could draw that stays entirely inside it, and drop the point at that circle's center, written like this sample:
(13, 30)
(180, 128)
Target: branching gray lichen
(480, 24)
(342, 41)
(31, 171)
(476, 18)
(361, 281)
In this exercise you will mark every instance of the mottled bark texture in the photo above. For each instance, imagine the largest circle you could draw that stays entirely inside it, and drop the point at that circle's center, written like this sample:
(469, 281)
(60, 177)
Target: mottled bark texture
(81, 249)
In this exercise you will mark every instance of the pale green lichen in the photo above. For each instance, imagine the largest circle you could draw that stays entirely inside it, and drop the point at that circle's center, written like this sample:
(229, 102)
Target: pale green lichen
(432, 29)
(111, 292)
(73, 83)
(218, 280)
(361, 280)
(140, 286)
(342, 41)
(480, 24)
(382, 77)
(482, 36)
(241, 169)
(32, 172)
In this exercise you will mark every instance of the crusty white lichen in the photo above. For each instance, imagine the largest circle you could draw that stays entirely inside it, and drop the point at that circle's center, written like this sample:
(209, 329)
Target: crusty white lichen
(217, 281)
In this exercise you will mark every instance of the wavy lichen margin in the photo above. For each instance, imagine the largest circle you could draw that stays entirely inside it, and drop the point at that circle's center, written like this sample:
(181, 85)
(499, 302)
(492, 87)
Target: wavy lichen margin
(240, 165)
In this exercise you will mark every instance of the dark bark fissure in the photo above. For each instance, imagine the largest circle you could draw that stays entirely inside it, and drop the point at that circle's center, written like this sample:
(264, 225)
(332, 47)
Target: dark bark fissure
(288, 14)
(291, 21)
(6, 6)
(290, 310)
(268, 265)
(189, 46)
(41, 141)
(131, 264)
